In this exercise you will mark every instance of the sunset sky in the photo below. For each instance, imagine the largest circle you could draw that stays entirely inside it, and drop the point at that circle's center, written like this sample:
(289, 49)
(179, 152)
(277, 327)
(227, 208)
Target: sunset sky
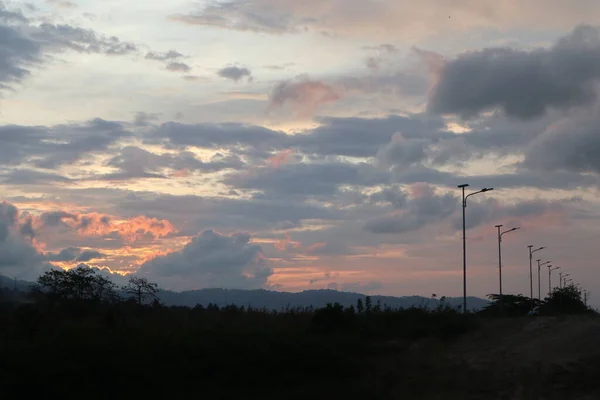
(293, 145)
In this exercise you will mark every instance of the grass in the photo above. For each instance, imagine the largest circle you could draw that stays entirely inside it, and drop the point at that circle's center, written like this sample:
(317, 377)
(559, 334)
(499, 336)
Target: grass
(123, 350)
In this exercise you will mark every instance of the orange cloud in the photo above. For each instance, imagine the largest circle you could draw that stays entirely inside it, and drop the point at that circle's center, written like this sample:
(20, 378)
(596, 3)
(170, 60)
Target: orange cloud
(97, 224)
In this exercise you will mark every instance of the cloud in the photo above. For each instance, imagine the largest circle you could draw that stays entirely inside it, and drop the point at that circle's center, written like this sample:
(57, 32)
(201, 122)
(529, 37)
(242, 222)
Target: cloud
(26, 45)
(134, 162)
(19, 255)
(212, 260)
(93, 224)
(7, 15)
(304, 95)
(524, 84)
(385, 19)
(571, 144)
(66, 37)
(215, 136)
(305, 179)
(62, 3)
(235, 73)
(196, 213)
(74, 254)
(424, 207)
(17, 54)
(166, 56)
(31, 177)
(51, 147)
(178, 67)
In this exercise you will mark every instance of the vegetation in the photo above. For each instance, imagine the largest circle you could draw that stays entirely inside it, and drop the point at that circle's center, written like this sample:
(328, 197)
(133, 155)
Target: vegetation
(562, 301)
(78, 335)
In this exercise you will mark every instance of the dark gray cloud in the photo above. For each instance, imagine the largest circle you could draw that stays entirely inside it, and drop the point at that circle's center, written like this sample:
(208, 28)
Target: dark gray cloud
(143, 119)
(362, 137)
(66, 37)
(134, 162)
(520, 178)
(216, 136)
(235, 73)
(74, 254)
(403, 153)
(51, 147)
(18, 257)
(55, 218)
(571, 145)
(423, 208)
(78, 141)
(17, 54)
(66, 254)
(167, 56)
(306, 179)
(177, 66)
(525, 84)
(32, 177)
(196, 213)
(89, 255)
(213, 260)
(489, 210)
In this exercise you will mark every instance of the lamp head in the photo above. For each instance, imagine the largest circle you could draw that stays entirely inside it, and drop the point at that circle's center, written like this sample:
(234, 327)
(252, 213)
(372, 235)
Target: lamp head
(463, 186)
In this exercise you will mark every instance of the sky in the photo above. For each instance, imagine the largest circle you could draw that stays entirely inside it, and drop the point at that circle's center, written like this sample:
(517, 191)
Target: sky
(292, 145)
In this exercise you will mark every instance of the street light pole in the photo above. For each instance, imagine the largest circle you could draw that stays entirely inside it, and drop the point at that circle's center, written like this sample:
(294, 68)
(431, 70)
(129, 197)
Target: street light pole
(550, 269)
(500, 234)
(538, 275)
(564, 282)
(464, 206)
(531, 251)
(560, 280)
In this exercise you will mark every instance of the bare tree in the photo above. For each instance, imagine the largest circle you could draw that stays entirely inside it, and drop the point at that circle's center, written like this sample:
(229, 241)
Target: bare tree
(139, 289)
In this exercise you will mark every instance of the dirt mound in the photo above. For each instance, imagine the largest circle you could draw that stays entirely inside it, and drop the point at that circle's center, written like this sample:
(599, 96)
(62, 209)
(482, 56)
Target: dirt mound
(542, 341)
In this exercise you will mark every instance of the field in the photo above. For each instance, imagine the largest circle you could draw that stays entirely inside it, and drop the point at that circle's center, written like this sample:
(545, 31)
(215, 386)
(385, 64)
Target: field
(123, 350)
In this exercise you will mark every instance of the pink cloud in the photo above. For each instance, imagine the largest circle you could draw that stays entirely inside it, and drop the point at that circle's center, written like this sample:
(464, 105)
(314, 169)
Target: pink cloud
(305, 96)
(281, 158)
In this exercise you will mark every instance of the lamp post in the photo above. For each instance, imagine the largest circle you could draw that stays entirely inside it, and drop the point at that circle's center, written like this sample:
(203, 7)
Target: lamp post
(567, 281)
(550, 269)
(500, 234)
(539, 284)
(464, 206)
(531, 251)
(564, 279)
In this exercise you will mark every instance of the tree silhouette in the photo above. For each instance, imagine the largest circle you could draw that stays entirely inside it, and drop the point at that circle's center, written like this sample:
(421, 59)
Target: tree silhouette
(509, 305)
(81, 283)
(139, 288)
(566, 300)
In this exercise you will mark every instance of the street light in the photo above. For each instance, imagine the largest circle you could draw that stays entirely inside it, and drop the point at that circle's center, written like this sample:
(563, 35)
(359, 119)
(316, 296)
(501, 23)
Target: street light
(569, 280)
(550, 269)
(539, 285)
(531, 270)
(464, 206)
(565, 276)
(500, 234)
